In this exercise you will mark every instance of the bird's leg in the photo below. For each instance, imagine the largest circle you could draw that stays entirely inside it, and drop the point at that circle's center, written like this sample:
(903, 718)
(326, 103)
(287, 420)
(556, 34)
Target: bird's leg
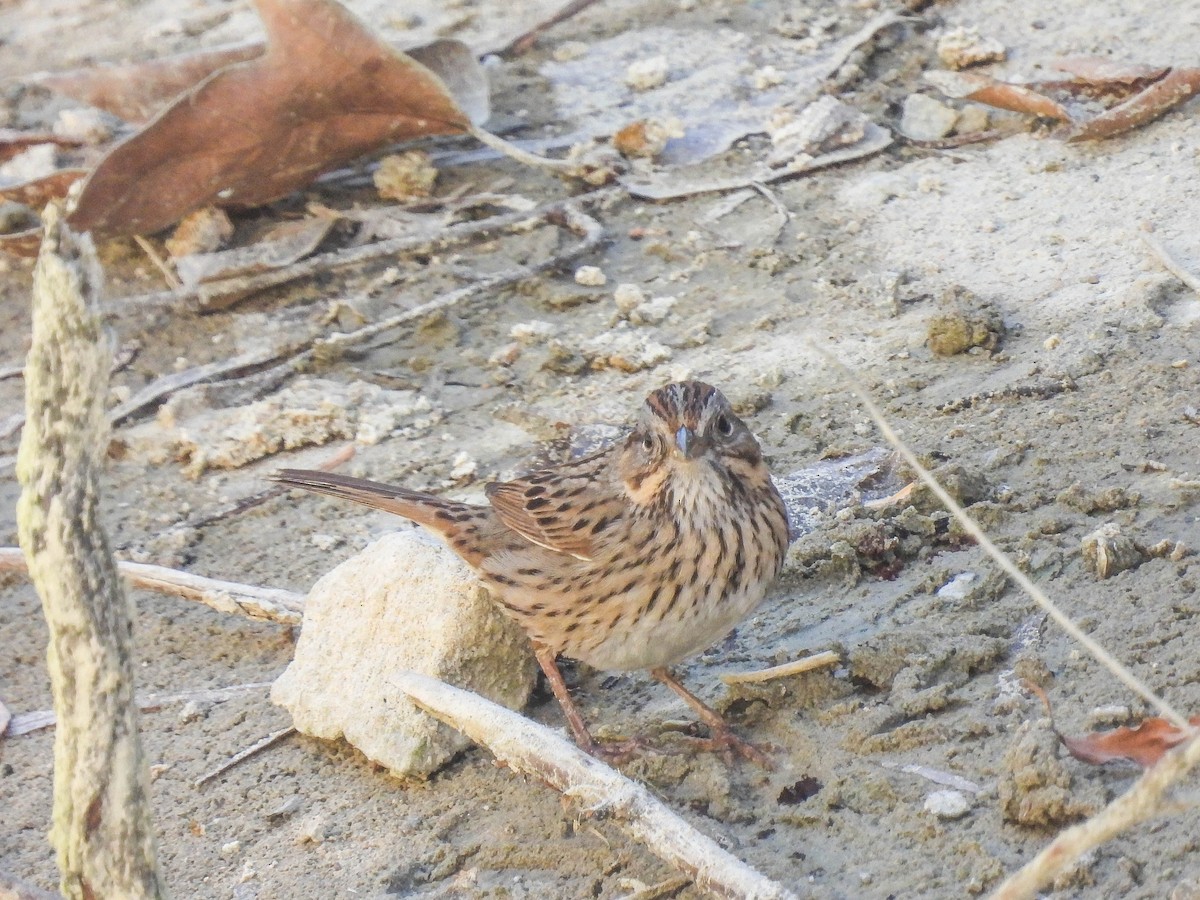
(609, 751)
(723, 737)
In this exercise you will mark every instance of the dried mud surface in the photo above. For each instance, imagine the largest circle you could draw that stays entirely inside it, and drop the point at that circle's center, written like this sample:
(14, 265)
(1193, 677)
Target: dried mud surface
(1083, 414)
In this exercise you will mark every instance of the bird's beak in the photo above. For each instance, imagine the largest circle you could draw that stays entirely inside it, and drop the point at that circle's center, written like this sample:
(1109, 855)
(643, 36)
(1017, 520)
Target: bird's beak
(688, 444)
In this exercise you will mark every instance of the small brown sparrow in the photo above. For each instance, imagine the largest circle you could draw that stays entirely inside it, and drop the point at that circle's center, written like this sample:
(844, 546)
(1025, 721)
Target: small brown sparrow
(634, 557)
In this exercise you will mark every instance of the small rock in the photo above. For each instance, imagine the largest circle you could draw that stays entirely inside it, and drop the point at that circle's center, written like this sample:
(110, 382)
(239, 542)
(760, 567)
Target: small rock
(624, 351)
(404, 603)
(193, 710)
(948, 804)
(590, 276)
(534, 332)
(463, 467)
(88, 126)
(926, 119)
(958, 587)
(202, 231)
(967, 325)
(647, 74)
(313, 830)
(324, 542)
(651, 312)
(766, 77)
(962, 47)
(232, 848)
(1106, 551)
(505, 355)
(286, 808)
(972, 119)
(404, 175)
(646, 138)
(627, 297)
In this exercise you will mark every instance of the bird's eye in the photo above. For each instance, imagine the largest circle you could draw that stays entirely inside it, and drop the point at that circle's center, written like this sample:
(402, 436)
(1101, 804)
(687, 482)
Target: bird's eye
(724, 425)
(648, 443)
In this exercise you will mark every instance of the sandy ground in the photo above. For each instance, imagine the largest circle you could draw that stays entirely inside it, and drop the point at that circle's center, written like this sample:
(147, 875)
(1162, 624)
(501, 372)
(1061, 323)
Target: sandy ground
(1083, 414)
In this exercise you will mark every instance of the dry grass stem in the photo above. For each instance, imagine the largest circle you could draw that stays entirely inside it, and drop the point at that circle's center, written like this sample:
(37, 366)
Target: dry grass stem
(1010, 568)
(795, 667)
(1145, 797)
(527, 747)
(271, 739)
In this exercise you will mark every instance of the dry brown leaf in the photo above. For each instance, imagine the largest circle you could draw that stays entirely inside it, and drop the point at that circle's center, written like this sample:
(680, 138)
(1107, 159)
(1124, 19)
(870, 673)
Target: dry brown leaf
(1100, 70)
(1000, 94)
(136, 91)
(1144, 745)
(1156, 100)
(22, 243)
(13, 142)
(326, 90)
(40, 191)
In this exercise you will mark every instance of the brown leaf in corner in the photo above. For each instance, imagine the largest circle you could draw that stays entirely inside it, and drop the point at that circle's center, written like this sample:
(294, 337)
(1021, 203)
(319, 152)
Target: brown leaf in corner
(1144, 745)
(325, 91)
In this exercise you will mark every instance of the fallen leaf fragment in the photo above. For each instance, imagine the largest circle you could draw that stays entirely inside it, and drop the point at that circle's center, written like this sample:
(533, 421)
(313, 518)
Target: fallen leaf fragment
(1144, 745)
(1176, 87)
(137, 91)
(325, 91)
(40, 191)
(281, 246)
(1000, 94)
(13, 142)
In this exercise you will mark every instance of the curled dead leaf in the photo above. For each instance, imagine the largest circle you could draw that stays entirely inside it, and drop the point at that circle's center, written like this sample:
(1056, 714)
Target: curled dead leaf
(40, 191)
(1144, 745)
(1156, 100)
(325, 91)
(1000, 94)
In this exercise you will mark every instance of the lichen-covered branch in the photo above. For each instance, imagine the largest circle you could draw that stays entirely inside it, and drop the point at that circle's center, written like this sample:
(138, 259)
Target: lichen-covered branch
(102, 829)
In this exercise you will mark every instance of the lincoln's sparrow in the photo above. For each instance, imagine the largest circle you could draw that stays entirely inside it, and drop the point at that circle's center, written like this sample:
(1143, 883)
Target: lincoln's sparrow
(632, 558)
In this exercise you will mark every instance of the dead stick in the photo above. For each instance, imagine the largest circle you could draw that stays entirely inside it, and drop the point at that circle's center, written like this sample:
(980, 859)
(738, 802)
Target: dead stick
(266, 604)
(527, 747)
(523, 43)
(102, 828)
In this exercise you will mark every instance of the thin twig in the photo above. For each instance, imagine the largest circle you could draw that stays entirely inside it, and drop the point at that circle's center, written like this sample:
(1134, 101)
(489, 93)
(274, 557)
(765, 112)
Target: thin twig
(172, 282)
(11, 372)
(24, 723)
(262, 745)
(1136, 805)
(500, 145)
(969, 525)
(795, 667)
(523, 43)
(202, 295)
(1170, 263)
(527, 747)
(265, 604)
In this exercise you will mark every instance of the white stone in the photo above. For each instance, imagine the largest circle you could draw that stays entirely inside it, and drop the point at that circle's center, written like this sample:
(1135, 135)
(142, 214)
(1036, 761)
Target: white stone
(646, 74)
(926, 119)
(404, 603)
(948, 804)
(590, 276)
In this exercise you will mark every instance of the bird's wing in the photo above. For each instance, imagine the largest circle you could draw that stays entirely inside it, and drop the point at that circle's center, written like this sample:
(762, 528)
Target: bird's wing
(548, 514)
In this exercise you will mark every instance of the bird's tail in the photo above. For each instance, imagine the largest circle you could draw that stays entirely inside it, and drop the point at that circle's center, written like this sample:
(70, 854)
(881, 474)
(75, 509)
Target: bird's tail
(424, 509)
